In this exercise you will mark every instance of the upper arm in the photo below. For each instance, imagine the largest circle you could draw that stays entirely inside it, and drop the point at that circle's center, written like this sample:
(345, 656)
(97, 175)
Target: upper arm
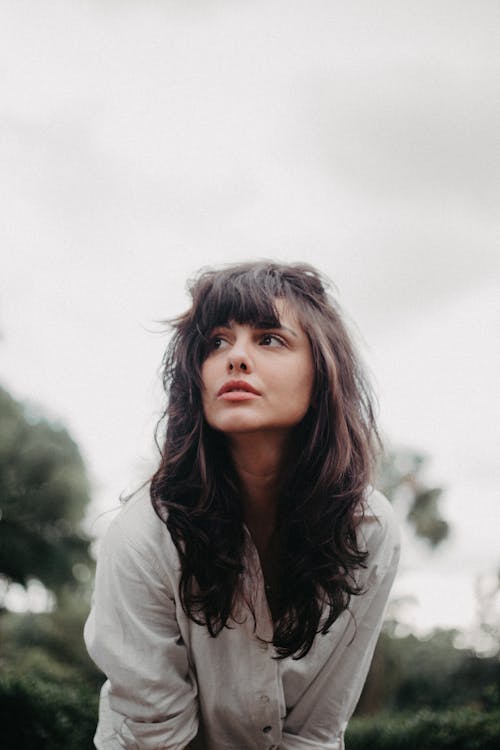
(133, 636)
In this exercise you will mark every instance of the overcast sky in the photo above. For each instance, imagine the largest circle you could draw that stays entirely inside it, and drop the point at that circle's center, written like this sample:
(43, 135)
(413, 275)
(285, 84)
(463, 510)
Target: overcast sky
(141, 140)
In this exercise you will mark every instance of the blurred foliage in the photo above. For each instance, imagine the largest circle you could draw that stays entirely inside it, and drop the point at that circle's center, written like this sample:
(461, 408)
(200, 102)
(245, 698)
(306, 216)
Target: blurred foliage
(49, 646)
(44, 493)
(38, 715)
(416, 673)
(458, 729)
(400, 478)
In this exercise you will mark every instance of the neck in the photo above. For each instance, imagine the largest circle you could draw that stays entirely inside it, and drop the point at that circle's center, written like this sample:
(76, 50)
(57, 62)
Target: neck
(259, 464)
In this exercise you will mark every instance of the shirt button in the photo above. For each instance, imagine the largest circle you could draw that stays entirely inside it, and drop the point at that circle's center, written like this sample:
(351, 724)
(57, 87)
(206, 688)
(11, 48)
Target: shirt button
(267, 729)
(264, 699)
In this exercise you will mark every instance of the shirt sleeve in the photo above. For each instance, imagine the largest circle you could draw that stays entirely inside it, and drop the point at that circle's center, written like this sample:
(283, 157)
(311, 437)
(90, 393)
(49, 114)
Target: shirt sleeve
(319, 719)
(149, 701)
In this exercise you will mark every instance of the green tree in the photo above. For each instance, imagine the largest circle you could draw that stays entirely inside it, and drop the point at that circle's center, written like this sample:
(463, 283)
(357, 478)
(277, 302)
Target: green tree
(400, 476)
(44, 492)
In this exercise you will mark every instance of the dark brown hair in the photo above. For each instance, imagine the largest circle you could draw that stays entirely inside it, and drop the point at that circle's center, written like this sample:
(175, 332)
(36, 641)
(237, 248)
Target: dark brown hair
(195, 489)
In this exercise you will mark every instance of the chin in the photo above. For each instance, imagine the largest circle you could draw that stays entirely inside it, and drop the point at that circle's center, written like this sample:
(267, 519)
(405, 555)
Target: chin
(236, 427)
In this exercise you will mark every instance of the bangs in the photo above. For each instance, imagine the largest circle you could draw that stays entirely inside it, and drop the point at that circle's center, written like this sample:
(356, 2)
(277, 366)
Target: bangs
(247, 297)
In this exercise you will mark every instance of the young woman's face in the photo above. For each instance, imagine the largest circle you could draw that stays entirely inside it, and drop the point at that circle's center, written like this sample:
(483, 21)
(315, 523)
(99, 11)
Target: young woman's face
(258, 379)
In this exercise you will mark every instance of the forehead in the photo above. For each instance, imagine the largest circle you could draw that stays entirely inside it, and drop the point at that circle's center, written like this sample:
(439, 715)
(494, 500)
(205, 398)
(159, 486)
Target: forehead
(286, 320)
(243, 303)
(287, 312)
(278, 313)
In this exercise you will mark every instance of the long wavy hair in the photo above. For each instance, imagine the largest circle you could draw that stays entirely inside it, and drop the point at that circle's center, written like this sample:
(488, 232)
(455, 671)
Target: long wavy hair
(195, 489)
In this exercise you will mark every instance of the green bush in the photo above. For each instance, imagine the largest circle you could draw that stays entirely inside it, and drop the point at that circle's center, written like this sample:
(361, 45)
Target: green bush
(48, 646)
(460, 729)
(37, 715)
(411, 674)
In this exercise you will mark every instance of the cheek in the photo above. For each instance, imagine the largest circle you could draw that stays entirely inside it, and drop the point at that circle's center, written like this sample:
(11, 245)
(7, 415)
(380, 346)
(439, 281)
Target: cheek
(308, 381)
(208, 411)
(303, 390)
(205, 386)
(206, 376)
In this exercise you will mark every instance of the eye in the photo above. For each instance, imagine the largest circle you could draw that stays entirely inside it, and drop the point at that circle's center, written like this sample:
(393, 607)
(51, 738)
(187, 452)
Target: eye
(271, 339)
(216, 342)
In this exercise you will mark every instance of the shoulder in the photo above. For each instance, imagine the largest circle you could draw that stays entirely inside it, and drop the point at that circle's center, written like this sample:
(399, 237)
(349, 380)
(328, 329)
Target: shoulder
(138, 532)
(379, 529)
(376, 507)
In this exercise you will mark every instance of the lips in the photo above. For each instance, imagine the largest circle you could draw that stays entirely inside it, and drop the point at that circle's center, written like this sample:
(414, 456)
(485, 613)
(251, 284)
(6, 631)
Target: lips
(238, 386)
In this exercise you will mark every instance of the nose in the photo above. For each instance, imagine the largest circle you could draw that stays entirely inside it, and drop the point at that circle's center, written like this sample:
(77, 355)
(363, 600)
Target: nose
(238, 364)
(239, 358)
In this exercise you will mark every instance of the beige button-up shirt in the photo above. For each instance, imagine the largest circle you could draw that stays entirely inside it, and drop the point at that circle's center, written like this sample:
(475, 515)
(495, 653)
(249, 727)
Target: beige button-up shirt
(168, 678)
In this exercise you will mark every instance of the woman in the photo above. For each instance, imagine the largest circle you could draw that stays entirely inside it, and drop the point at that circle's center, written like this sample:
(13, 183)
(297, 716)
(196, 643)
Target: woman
(238, 602)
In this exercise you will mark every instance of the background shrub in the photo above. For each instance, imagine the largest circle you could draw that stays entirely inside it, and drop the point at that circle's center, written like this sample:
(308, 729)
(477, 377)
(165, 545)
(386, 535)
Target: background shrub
(36, 715)
(460, 729)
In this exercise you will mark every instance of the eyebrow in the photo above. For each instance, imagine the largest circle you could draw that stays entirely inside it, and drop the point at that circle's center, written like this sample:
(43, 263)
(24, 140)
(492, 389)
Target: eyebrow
(263, 326)
(290, 330)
